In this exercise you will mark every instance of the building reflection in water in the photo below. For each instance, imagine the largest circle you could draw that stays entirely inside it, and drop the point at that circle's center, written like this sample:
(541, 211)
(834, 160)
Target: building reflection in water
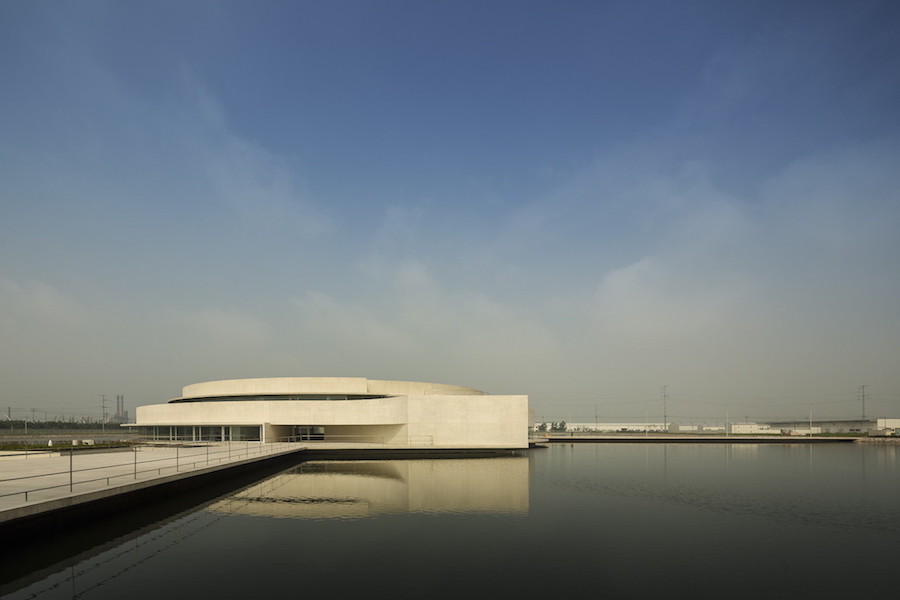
(358, 489)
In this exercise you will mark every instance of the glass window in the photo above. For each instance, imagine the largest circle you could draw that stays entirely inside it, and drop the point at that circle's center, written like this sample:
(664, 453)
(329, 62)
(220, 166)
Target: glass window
(245, 433)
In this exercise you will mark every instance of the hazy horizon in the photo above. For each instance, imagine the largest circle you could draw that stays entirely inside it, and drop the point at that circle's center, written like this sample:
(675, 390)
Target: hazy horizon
(578, 201)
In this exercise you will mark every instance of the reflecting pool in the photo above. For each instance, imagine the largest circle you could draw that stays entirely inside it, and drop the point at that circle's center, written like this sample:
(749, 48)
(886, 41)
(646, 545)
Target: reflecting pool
(619, 520)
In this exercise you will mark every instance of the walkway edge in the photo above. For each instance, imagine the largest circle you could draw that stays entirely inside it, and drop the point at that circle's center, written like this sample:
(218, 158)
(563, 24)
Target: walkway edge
(114, 493)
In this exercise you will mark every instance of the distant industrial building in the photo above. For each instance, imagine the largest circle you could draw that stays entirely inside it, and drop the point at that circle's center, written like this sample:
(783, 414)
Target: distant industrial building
(611, 427)
(622, 427)
(853, 426)
(751, 429)
(121, 415)
(795, 427)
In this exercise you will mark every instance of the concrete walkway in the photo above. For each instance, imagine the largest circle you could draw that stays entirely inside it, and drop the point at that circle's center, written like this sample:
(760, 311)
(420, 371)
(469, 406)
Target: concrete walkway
(40, 482)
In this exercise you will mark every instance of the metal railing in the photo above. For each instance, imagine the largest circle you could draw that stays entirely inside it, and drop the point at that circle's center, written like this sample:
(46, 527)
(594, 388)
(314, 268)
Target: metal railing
(187, 453)
(187, 456)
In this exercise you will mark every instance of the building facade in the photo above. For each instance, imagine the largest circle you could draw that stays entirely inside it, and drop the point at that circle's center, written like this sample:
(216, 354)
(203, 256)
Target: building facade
(751, 429)
(343, 411)
(879, 426)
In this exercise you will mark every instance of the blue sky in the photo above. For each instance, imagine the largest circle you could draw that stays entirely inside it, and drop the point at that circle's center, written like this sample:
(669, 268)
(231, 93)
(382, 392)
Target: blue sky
(580, 201)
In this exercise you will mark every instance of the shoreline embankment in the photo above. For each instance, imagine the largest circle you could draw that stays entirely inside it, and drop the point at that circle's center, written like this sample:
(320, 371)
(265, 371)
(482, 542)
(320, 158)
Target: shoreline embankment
(706, 439)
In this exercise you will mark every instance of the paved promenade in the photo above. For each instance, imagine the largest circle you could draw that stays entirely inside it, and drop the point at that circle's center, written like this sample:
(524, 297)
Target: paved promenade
(35, 482)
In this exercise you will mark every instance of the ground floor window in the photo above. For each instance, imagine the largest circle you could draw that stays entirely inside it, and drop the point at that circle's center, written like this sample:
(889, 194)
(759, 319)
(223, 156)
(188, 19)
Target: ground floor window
(201, 433)
(211, 433)
(245, 433)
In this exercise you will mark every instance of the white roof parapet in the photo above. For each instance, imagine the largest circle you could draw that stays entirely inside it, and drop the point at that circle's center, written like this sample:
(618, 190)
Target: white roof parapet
(320, 385)
(417, 388)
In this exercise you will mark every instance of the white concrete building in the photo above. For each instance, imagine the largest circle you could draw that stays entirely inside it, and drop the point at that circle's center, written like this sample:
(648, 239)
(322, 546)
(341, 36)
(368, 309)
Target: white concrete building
(340, 410)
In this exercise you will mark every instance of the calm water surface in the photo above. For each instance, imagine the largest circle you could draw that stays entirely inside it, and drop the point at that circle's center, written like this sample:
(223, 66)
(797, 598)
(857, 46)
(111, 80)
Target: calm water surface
(618, 520)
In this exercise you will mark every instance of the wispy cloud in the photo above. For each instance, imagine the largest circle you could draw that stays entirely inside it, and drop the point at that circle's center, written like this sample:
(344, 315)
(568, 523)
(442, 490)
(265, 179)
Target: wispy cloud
(172, 217)
(35, 302)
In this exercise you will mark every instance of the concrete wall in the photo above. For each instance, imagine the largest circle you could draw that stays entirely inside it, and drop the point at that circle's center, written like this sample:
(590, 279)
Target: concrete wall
(374, 434)
(473, 421)
(416, 388)
(454, 421)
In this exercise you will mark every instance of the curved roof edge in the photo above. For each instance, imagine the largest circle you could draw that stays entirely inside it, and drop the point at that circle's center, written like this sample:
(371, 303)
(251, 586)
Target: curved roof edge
(321, 385)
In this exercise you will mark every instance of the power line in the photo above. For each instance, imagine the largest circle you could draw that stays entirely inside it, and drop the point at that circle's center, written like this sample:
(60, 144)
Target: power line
(665, 398)
(862, 397)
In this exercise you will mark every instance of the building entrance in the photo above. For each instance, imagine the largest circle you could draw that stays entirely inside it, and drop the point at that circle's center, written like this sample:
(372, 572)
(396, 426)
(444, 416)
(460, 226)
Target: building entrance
(308, 433)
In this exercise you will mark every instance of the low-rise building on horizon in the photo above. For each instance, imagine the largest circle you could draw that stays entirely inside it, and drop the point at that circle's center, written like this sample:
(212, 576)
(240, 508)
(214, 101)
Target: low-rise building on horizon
(878, 426)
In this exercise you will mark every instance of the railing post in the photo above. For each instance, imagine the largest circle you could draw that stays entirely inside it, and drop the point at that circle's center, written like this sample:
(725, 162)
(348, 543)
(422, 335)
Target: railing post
(134, 451)
(176, 458)
(71, 454)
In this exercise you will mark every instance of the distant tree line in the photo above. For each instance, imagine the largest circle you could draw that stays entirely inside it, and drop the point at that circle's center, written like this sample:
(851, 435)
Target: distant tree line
(23, 424)
(553, 426)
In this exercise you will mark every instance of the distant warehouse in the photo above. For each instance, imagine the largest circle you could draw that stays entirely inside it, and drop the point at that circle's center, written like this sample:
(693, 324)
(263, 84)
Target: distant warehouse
(859, 426)
(340, 410)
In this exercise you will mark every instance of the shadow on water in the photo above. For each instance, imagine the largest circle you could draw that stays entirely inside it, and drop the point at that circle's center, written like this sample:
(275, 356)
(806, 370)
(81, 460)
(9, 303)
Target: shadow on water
(34, 550)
